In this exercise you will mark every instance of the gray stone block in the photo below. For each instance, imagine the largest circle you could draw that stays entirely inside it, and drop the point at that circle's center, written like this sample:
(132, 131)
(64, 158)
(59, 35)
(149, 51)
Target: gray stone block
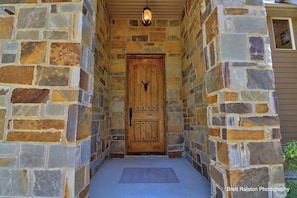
(245, 24)
(32, 156)
(265, 153)
(73, 7)
(234, 47)
(55, 109)
(61, 156)
(55, 35)
(32, 17)
(19, 183)
(27, 35)
(59, 21)
(48, 183)
(85, 152)
(11, 46)
(8, 58)
(254, 2)
(79, 179)
(8, 149)
(13, 183)
(4, 182)
(260, 79)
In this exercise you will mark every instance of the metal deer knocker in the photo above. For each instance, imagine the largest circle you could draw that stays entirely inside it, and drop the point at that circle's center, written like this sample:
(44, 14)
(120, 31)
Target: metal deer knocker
(145, 85)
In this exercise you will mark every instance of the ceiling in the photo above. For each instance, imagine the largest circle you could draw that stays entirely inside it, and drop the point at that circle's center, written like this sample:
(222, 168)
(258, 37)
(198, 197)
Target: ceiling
(132, 9)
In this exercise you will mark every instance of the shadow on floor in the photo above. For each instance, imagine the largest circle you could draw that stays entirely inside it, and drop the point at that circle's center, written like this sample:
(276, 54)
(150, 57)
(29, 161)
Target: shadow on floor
(148, 177)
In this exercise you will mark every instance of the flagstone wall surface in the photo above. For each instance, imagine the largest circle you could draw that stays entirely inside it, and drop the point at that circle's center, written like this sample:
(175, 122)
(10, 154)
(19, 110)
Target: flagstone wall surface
(46, 97)
(243, 122)
(63, 93)
(194, 94)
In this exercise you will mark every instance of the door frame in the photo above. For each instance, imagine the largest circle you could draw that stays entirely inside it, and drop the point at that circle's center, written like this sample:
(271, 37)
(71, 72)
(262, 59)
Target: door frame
(140, 56)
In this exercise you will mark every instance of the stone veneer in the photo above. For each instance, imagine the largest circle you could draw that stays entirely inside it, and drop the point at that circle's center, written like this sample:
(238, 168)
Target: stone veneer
(194, 94)
(243, 124)
(130, 36)
(53, 118)
(100, 49)
(62, 94)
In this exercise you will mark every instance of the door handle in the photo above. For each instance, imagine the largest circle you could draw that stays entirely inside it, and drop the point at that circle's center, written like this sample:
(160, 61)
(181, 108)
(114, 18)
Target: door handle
(130, 115)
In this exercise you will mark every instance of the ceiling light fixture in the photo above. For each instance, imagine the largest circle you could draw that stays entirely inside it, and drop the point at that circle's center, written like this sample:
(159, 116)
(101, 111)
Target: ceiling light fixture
(146, 15)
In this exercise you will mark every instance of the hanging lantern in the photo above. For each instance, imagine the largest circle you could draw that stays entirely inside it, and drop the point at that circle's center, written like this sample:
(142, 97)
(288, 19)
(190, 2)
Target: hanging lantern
(146, 15)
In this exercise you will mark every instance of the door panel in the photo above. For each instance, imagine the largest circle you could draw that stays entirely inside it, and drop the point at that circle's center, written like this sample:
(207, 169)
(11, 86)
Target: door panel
(145, 132)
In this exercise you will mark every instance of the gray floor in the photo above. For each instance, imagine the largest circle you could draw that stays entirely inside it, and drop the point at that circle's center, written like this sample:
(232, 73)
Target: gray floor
(106, 183)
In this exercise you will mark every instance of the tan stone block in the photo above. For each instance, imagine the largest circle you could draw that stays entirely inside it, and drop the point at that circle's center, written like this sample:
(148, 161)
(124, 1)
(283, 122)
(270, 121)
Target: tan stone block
(223, 153)
(117, 62)
(157, 36)
(52, 76)
(262, 108)
(214, 132)
(134, 47)
(2, 122)
(118, 69)
(20, 95)
(118, 44)
(212, 26)
(202, 116)
(33, 52)
(38, 124)
(84, 80)
(175, 129)
(242, 177)
(236, 11)
(84, 122)
(212, 99)
(173, 46)
(174, 83)
(6, 25)
(231, 96)
(117, 123)
(118, 83)
(233, 134)
(119, 34)
(7, 162)
(200, 70)
(17, 74)
(194, 136)
(65, 95)
(259, 121)
(65, 54)
(173, 31)
(34, 136)
(121, 23)
(118, 95)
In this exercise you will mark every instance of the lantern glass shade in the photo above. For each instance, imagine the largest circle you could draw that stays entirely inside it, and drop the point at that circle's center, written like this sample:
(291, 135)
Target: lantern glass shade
(146, 16)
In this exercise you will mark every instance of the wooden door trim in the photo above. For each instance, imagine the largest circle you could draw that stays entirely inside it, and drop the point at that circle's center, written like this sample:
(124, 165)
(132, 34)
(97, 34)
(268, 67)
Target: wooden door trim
(141, 56)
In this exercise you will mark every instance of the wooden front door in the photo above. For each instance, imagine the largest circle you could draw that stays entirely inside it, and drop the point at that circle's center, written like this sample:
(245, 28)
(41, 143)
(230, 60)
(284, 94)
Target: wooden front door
(145, 120)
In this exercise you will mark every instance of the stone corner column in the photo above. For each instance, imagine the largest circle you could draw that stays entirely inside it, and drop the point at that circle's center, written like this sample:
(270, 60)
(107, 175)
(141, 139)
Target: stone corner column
(244, 130)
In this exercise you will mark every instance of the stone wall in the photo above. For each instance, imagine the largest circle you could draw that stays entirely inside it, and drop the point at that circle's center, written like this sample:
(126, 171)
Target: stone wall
(130, 36)
(194, 92)
(244, 135)
(99, 52)
(45, 98)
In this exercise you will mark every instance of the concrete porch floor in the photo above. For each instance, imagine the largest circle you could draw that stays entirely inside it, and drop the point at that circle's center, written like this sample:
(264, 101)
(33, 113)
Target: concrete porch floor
(106, 183)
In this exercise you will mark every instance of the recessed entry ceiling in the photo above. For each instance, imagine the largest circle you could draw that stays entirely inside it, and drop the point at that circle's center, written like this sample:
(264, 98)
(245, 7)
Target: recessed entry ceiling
(132, 9)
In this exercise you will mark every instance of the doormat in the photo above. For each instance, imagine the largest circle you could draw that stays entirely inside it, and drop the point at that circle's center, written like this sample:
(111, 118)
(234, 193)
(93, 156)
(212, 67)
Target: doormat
(148, 175)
